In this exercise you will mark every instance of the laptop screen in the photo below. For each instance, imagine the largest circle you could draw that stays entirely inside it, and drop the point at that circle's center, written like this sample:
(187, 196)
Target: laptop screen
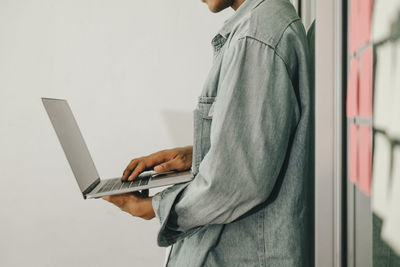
(72, 142)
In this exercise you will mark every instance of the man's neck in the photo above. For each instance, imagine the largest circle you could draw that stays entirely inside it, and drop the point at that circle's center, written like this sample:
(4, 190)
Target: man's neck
(237, 3)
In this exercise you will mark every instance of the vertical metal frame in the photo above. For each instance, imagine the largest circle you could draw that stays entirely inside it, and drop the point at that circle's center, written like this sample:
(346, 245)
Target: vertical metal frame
(328, 134)
(359, 228)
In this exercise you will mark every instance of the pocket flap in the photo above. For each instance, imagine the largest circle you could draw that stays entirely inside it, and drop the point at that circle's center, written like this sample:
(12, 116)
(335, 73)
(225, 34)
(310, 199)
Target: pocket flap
(211, 111)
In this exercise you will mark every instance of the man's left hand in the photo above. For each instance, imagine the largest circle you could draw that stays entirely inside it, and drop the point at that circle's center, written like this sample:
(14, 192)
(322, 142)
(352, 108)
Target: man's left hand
(137, 204)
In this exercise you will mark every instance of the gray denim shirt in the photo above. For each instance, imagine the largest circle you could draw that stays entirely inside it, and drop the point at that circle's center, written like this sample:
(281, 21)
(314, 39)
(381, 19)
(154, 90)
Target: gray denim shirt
(250, 202)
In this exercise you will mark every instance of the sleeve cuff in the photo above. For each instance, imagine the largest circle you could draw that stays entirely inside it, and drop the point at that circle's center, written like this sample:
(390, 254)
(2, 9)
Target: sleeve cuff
(163, 203)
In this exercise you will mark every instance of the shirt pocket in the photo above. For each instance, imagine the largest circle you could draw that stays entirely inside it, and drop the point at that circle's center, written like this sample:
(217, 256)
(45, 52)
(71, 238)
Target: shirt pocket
(202, 117)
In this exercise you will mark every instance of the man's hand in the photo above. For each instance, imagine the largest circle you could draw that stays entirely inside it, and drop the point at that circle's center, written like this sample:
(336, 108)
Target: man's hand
(137, 204)
(176, 159)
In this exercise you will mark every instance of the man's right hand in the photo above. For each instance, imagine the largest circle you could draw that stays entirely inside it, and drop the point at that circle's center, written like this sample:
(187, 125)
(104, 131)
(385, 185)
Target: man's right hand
(176, 159)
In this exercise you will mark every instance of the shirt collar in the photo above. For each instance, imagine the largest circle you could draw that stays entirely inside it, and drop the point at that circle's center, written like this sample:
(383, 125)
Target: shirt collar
(242, 11)
(219, 40)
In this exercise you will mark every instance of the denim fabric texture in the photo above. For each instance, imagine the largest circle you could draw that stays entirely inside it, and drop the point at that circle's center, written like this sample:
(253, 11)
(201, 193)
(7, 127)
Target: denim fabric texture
(250, 203)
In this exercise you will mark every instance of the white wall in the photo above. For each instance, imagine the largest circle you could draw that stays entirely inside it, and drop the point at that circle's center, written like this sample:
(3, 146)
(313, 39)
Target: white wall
(128, 69)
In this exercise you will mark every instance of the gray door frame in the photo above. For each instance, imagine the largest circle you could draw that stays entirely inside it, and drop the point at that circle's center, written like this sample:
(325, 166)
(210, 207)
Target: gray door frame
(328, 133)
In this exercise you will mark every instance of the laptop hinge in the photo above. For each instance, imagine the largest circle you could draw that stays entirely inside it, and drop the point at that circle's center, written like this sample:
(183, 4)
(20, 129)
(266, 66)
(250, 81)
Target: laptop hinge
(91, 187)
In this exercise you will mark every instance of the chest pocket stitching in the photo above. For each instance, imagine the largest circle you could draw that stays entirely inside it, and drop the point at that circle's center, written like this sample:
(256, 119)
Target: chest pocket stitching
(203, 118)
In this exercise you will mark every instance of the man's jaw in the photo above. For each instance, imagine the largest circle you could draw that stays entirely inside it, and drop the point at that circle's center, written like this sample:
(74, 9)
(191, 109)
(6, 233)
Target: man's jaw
(216, 6)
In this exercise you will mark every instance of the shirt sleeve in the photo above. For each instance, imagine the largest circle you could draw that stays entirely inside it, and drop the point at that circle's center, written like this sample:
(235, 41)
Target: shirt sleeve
(255, 116)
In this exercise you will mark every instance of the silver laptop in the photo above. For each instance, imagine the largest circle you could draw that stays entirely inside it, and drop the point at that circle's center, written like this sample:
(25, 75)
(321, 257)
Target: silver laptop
(82, 165)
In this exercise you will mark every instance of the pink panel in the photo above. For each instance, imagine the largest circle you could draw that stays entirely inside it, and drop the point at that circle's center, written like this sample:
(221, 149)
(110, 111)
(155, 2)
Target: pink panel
(353, 154)
(352, 90)
(365, 159)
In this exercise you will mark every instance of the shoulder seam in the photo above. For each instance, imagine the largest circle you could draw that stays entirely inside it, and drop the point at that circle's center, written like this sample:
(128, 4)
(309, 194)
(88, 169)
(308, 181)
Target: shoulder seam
(271, 47)
(283, 32)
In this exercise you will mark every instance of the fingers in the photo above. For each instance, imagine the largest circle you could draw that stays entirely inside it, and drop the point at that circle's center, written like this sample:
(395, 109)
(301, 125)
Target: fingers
(134, 204)
(173, 159)
(117, 200)
(121, 201)
(139, 168)
(131, 166)
(172, 165)
(122, 198)
(139, 165)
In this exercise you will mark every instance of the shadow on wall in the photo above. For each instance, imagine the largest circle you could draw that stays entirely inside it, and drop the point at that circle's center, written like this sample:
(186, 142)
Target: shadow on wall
(180, 126)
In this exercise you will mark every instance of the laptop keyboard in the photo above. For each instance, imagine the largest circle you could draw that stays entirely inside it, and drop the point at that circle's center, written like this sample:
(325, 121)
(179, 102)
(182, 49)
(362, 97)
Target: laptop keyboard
(117, 184)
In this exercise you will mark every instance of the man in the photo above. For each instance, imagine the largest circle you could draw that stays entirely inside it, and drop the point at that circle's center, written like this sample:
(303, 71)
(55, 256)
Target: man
(250, 201)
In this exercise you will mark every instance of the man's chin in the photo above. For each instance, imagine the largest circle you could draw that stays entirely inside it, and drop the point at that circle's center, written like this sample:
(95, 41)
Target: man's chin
(215, 8)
